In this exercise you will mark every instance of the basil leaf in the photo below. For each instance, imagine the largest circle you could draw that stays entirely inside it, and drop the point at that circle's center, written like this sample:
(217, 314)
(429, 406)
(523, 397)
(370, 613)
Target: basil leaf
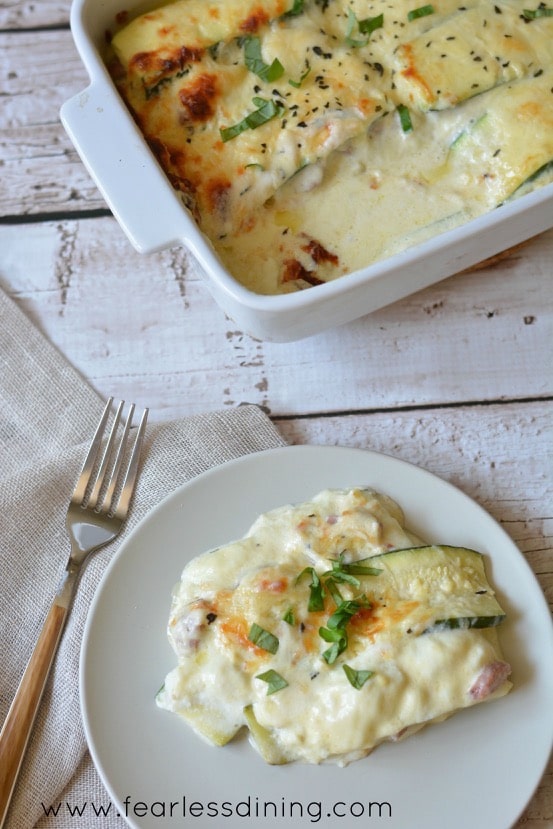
(339, 573)
(333, 635)
(404, 118)
(337, 597)
(344, 576)
(289, 617)
(359, 568)
(274, 680)
(296, 9)
(316, 592)
(231, 132)
(303, 76)
(346, 610)
(366, 27)
(339, 640)
(354, 568)
(371, 24)
(422, 11)
(541, 11)
(263, 639)
(266, 110)
(256, 64)
(352, 23)
(357, 678)
(331, 654)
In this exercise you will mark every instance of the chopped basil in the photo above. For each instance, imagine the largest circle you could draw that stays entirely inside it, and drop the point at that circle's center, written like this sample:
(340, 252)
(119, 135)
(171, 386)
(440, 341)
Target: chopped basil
(357, 678)
(346, 610)
(344, 572)
(263, 639)
(366, 27)
(289, 617)
(370, 24)
(266, 110)
(341, 572)
(339, 639)
(335, 632)
(150, 91)
(297, 84)
(297, 8)
(316, 592)
(541, 11)
(359, 568)
(422, 11)
(256, 64)
(343, 576)
(404, 118)
(274, 680)
(332, 588)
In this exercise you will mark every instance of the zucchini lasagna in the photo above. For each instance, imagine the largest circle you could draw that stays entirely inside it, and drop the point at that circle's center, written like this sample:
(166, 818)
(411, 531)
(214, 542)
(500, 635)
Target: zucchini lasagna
(309, 138)
(329, 629)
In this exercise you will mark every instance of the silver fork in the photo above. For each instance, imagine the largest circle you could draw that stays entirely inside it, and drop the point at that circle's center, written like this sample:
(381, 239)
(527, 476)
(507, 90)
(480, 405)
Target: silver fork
(97, 510)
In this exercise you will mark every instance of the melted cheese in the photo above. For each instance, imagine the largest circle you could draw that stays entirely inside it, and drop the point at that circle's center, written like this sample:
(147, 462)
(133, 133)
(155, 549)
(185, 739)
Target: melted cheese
(318, 170)
(419, 673)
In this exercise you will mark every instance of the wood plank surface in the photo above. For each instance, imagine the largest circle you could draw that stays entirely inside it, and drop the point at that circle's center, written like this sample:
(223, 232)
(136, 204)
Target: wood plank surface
(480, 336)
(30, 14)
(41, 171)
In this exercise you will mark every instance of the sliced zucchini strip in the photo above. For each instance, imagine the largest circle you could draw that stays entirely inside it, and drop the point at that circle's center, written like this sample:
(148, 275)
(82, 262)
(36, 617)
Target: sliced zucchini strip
(209, 724)
(263, 740)
(447, 586)
(506, 144)
(446, 65)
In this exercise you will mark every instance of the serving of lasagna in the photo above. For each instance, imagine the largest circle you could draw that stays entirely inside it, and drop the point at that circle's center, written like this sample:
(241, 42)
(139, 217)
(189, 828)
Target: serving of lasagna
(309, 138)
(329, 629)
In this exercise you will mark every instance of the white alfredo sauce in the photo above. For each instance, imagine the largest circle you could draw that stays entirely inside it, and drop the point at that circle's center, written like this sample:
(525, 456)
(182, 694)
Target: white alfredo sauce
(397, 681)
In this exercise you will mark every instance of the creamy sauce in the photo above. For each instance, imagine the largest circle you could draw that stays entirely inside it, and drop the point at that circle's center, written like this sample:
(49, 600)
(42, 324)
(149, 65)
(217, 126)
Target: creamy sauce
(361, 145)
(374, 199)
(383, 192)
(258, 642)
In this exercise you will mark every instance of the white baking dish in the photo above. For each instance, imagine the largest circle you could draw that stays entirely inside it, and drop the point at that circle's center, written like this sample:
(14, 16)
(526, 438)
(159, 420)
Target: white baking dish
(151, 214)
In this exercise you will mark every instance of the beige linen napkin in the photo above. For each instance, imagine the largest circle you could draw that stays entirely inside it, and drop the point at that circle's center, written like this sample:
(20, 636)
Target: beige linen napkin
(47, 418)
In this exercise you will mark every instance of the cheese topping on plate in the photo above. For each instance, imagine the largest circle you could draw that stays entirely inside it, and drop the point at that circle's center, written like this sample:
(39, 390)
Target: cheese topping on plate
(331, 133)
(328, 629)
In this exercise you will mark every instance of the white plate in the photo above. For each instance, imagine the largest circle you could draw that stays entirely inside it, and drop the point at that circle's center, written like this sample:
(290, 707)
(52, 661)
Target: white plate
(478, 769)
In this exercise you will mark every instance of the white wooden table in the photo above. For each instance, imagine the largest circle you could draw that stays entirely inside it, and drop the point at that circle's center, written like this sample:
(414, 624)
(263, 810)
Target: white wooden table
(457, 378)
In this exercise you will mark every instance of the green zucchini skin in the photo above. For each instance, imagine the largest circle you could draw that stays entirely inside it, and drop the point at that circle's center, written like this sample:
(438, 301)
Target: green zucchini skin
(452, 581)
(466, 622)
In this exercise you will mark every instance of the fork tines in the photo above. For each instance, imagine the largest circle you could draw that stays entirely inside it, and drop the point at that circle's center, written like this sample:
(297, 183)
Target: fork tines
(107, 478)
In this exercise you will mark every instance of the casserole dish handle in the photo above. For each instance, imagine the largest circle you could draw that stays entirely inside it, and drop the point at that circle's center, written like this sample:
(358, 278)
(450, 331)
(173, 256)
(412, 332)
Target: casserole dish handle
(119, 161)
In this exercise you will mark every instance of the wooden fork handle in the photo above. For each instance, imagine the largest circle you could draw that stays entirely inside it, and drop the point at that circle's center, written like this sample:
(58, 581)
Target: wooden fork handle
(17, 727)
